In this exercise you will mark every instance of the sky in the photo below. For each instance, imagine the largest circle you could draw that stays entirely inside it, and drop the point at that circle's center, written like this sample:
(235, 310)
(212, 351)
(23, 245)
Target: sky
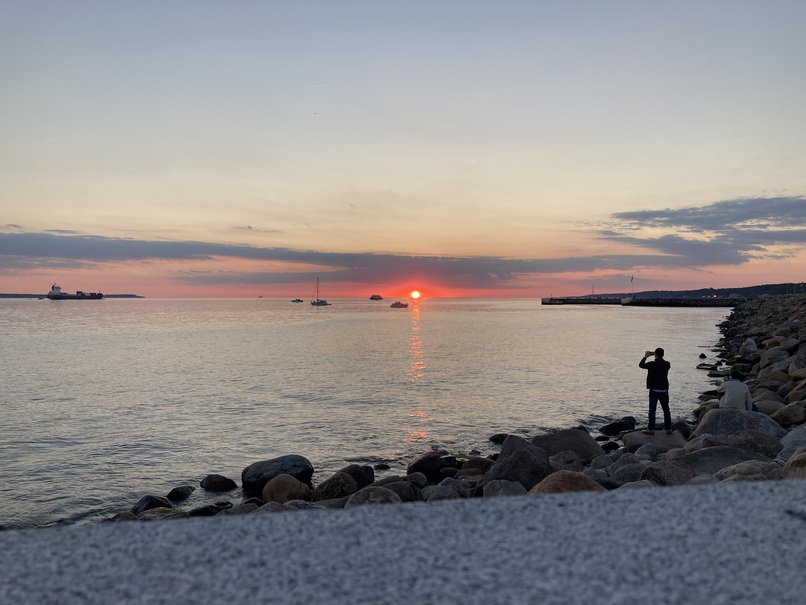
(462, 148)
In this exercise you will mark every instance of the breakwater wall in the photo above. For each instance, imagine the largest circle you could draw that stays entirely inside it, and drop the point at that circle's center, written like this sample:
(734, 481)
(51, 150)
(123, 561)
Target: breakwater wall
(642, 302)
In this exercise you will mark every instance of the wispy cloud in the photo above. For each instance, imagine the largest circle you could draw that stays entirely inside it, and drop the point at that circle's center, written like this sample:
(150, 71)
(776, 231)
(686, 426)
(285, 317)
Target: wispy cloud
(719, 234)
(723, 233)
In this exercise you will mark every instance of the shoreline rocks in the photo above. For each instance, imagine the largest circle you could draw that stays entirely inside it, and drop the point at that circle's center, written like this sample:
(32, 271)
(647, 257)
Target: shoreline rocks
(717, 445)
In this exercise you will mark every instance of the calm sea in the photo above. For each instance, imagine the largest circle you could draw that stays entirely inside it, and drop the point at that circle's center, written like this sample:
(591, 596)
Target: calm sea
(103, 402)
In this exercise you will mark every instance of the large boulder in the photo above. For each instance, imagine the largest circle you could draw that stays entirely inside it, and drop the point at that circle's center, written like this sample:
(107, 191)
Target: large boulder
(726, 421)
(363, 474)
(570, 439)
(255, 476)
(628, 473)
(501, 487)
(181, 493)
(619, 426)
(566, 481)
(336, 486)
(431, 464)
(479, 463)
(756, 442)
(768, 406)
(568, 461)
(518, 461)
(407, 491)
(667, 473)
(283, 488)
(794, 440)
(373, 495)
(751, 470)
(795, 467)
(663, 442)
(773, 355)
(148, 502)
(217, 483)
(793, 413)
(710, 460)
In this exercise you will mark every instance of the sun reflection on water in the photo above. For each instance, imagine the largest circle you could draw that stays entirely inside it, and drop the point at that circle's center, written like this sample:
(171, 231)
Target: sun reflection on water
(417, 363)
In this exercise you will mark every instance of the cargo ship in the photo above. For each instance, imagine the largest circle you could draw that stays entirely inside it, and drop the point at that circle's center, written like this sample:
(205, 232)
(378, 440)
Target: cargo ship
(57, 294)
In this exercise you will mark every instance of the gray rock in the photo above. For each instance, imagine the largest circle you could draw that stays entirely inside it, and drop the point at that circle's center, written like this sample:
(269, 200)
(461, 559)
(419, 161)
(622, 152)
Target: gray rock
(601, 462)
(663, 442)
(752, 470)
(625, 459)
(794, 440)
(527, 466)
(649, 450)
(302, 505)
(431, 464)
(602, 478)
(241, 509)
(372, 495)
(283, 488)
(180, 494)
(159, 514)
(668, 473)
(442, 492)
(218, 483)
(627, 423)
(148, 502)
(644, 483)
(567, 460)
(726, 421)
(501, 487)
(336, 486)
(563, 482)
(793, 413)
(570, 439)
(364, 475)
(710, 460)
(795, 467)
(479, 463)
(255, 476)
(407, 491)
(271, 507)
(627, 473)
(755, 441)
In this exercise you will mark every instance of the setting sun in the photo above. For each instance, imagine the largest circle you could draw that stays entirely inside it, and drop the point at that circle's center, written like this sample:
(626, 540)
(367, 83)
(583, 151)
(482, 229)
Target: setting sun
(415, 295)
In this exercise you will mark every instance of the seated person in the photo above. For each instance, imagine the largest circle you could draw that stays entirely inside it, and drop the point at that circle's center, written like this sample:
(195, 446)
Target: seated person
(734, 394)
(748, 347)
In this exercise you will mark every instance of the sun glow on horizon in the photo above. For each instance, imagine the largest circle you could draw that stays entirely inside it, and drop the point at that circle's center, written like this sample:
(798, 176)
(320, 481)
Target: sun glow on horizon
(415, 294)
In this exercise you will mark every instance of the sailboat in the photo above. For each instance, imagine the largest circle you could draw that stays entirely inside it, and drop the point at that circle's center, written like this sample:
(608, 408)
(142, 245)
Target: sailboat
(316, 301)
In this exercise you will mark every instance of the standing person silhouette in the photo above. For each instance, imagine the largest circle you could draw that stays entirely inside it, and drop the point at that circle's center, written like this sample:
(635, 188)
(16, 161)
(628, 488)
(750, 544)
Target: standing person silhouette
(657, 381)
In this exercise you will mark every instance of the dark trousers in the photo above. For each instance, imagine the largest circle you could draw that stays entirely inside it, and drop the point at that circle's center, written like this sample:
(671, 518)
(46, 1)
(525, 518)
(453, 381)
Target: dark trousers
(655, 398)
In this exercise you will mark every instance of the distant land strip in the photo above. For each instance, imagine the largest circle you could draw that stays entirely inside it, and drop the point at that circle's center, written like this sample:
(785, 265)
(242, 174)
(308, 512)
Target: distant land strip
(44, 296)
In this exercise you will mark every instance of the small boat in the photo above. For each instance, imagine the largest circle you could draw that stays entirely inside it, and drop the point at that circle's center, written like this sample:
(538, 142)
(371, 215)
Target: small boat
(399, 305)
(297, 300)
(376, 297)
(316, 301)
(57, 294)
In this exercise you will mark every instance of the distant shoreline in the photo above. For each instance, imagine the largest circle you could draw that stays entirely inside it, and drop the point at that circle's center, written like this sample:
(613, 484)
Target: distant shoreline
(43, 296)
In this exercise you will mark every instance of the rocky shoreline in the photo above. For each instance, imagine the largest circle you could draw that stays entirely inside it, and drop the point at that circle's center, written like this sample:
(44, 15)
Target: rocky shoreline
(716, 445)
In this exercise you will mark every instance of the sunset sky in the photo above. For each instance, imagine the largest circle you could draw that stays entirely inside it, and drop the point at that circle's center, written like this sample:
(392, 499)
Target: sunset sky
(463, 148)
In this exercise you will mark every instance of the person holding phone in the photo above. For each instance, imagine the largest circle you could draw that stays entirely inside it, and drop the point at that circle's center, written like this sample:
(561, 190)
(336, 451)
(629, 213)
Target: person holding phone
(657, 381)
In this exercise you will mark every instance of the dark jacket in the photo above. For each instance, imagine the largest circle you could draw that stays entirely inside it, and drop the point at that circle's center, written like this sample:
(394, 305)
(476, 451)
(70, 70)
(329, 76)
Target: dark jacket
(657, 376)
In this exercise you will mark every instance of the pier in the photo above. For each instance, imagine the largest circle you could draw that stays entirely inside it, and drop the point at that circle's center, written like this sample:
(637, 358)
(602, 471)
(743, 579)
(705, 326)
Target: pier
(642, 302)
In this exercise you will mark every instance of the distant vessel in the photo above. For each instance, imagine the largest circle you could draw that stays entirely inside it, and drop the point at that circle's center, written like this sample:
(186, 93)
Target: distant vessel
(316, 301)
(57, 294)
(376, 297)
(297, 300)
(399, 305)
